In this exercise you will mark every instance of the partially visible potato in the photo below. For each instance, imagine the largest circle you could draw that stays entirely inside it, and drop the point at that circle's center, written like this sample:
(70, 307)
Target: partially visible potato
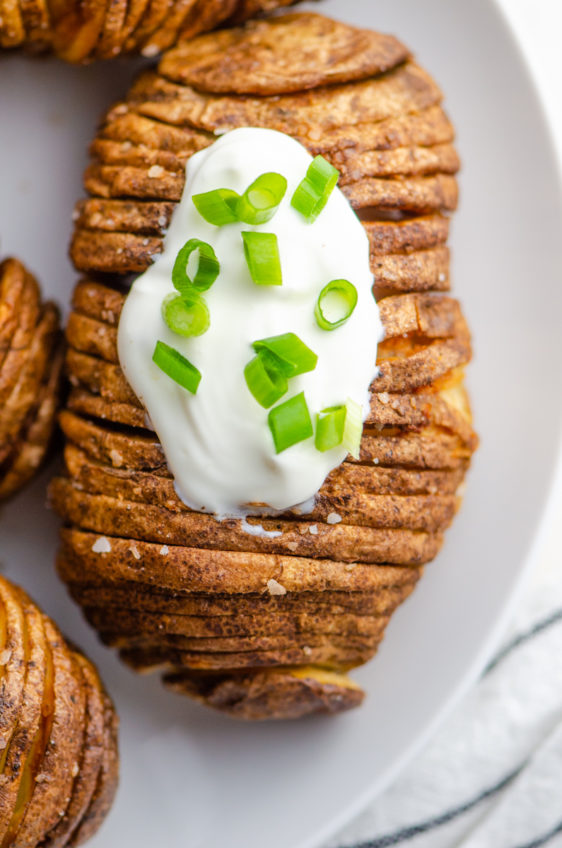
(31, 358)
(83, 30)
(58, 742)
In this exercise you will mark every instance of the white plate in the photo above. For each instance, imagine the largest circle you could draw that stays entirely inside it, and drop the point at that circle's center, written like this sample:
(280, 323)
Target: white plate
(190, 777)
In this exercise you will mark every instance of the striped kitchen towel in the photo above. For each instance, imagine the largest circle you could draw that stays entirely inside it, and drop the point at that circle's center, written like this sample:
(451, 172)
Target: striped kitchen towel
(492, 775)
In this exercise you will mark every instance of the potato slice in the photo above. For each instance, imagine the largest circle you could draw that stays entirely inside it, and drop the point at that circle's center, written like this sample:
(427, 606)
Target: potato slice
(407, 89)
(61, 756)
(285, 54)
(88, 769)
(197, 570)
(285, 693)
(20, 758)
(108, 775)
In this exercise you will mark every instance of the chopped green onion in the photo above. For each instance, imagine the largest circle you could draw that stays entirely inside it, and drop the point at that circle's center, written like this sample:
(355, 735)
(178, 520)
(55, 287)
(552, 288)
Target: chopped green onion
(322, 175)
(218, 207)
(330, 425)
(176, 366)
(290, 423)
(262, 255)
(187, 314)
(208, 267)
(353, 428)
(292, 355)
(264, 380)
(335, 304)
(313, 192)
(260, 201)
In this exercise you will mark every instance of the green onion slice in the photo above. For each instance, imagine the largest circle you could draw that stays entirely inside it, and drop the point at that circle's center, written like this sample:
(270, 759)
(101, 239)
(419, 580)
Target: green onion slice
(187, 314)
(322, 175)
(330, 425)
(353, 428)
(208, 267)
(262, 255)
(292, 355)
(176, 366)
(260, 201)
(264, 380)
(335, 304)
(290, 423)
(313, 192)
(218, 207)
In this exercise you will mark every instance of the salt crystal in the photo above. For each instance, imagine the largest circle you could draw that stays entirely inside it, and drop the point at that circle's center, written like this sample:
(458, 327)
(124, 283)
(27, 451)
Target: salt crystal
(155, 171)
(150, 50)
(116, 458)
(164, 550)
(101, 546)
(333, 518)
(313, 529)
(275, 588)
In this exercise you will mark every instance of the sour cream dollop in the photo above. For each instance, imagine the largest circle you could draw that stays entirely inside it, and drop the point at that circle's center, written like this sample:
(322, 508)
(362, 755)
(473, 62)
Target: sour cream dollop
(217, 442)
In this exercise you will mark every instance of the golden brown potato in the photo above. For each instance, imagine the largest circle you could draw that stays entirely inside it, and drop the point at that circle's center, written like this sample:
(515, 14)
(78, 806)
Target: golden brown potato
(263, 626)
(83, 30)
(58, 726)
(31, 359)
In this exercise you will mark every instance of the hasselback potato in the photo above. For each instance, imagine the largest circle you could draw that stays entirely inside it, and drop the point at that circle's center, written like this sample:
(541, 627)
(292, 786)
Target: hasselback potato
(267, 624)
(83, 30)
(58, 732)
(31, 358)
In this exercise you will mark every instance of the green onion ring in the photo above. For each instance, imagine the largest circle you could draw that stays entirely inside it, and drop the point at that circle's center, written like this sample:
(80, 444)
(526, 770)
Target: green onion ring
(218, 207)
(207, 271)
(292, 355)
(262, 255)
(346, 295)
(186, 314)
(176, 366)
(353, 428)
(260, 201)
(266, 383)
(330, 425)
(313, 192)
(290, 423)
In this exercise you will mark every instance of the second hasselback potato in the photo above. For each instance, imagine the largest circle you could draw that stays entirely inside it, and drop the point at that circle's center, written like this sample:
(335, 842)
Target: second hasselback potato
(58, 733)
(266, 624)
(83, 30)
(31, 358)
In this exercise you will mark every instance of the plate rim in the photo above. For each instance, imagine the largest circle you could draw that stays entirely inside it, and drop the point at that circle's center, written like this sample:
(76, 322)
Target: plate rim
(552, 502)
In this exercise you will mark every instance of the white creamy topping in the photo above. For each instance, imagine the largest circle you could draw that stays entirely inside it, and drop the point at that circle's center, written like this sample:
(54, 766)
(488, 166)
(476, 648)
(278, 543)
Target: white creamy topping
(217, 443)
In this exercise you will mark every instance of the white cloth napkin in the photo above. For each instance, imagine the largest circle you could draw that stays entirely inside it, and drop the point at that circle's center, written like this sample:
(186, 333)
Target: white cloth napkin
(492, 776)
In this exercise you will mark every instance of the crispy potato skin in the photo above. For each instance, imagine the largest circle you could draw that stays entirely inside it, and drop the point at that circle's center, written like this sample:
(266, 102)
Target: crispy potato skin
(266, 627)
(59, 761)
(31, 360)
(98, 29)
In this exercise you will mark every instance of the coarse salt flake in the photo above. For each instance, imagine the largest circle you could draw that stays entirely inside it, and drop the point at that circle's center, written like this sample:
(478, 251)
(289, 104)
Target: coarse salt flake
(313, 529)
(155, 171)
(164, 550)
(333, 518)
(101, 546)
(150, 50)
(275, 588)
